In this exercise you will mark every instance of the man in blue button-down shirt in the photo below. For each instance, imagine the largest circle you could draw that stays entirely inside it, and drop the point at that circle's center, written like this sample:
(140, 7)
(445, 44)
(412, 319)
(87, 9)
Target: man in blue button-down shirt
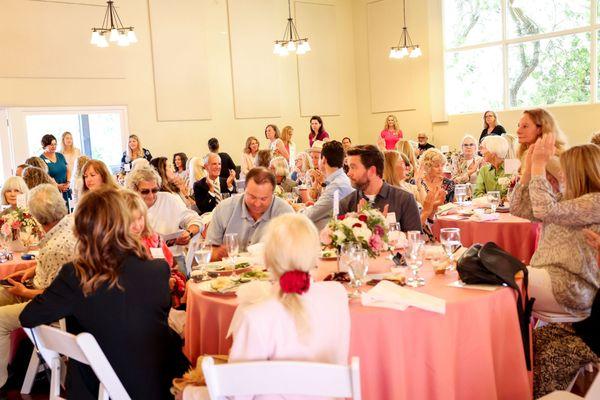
(331, 163)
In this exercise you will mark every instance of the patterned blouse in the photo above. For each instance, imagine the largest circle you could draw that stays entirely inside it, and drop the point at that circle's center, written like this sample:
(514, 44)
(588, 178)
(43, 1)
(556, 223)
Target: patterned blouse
(563, 251)
(447, 185)
(460, 167)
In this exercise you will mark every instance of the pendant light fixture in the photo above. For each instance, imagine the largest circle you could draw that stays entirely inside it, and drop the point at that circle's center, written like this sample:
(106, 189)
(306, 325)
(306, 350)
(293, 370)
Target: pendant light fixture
(112, 30)
(405, 46)
(291, 41)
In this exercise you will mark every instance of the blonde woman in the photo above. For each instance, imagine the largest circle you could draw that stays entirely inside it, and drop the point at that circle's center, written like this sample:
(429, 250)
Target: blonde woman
(564, 275)
(286, 137)
(538, 123)
(37, 162)
(12, 187)
(77, 180)
(395, 172)
(404, 147)
(302, 165)
(133, 152)
(279, 166)
(466, 165)
(391, 133)
(70, 152)
(275, 143)
(432, 170)
(195, 166)
(295, 318)
(249, 155)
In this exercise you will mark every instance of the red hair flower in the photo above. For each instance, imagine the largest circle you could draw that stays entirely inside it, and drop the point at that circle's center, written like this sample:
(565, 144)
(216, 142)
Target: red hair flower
(294, 282)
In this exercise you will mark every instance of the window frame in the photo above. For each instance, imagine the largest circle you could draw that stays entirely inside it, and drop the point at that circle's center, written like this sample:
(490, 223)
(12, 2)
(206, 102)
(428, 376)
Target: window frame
(593, 29)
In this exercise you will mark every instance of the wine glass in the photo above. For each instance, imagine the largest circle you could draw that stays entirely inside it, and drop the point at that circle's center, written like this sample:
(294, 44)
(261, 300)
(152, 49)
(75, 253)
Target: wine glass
(202, 256)
(414, 260)
(494, 199)
(460, 192)
(357, 270)
(450, 238)
(232, 245)
(413, 236)
(346, 251)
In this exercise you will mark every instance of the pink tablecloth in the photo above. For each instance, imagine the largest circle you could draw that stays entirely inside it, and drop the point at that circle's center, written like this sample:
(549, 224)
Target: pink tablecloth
(516, 235)
(16, 264)
(474, 351)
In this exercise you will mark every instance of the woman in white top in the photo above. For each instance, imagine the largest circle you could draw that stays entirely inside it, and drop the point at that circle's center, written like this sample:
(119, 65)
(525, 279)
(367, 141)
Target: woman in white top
(276, 144)
(295, 318)
(249, 155)
(286, 137)
(70, 152)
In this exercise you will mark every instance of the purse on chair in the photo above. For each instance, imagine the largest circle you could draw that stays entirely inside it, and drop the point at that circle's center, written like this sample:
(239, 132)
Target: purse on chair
(490, 264)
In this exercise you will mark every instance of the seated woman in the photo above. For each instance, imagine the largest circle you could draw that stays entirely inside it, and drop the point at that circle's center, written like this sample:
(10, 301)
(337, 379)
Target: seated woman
(35, 176)
(279, 166)
(487, 178)
(151, 240)
(114, 292)
(302, 165)
(395, 172)
(95, 174)
(564, 275)
(172, 183)
(404, 147)
(295, 319)
(263, 158)
(13, 187)
(466, 165)
(433, 162)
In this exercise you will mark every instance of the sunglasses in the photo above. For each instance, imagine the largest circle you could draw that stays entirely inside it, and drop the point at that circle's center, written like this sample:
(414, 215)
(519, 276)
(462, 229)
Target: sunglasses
(146, 192)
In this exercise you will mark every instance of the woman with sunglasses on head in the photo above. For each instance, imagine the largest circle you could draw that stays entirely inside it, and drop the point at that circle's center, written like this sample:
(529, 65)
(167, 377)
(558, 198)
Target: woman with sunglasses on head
(466, 165)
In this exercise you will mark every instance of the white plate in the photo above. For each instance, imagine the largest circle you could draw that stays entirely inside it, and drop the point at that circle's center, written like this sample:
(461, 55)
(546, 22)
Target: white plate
(206, 287)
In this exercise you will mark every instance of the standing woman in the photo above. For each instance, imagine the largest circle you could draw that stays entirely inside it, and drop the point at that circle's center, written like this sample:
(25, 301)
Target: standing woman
(286, 138)
(317, 130)
(134, 151)
(490, 125)
(391, 133)
(57, 166)
(179, 164)
(70, 152)
(249, 155)
(276, 145)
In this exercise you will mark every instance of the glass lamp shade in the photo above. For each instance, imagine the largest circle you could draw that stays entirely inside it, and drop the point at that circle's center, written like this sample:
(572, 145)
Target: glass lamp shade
(416, 52)
(304, 46)
(102, 42)
(114, 35)
(95, 37)
(123, 41)
(131, 36)
(291, 46)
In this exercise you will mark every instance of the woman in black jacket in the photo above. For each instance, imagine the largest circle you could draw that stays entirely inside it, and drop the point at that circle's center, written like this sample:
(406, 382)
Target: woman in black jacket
(113, 291)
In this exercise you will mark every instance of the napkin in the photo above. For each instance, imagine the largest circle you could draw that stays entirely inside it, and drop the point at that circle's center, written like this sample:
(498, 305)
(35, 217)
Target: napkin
(481, 201)
(445, 208)
(479, 217)
(257, 253)
(389, 295)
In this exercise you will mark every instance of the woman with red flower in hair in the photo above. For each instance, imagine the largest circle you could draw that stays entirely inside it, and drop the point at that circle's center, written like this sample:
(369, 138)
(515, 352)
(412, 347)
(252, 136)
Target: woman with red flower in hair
(295, 318)
(155, 246)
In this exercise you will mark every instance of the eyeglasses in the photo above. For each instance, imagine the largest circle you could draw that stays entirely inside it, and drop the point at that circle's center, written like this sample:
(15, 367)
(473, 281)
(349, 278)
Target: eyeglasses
(146, 192)
(468, 144)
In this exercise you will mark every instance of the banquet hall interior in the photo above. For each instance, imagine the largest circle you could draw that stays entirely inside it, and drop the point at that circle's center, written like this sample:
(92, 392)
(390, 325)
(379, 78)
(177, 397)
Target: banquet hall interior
(366, 199)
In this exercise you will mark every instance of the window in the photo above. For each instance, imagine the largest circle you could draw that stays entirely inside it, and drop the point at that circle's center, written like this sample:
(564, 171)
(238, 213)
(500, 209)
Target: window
(503, 54)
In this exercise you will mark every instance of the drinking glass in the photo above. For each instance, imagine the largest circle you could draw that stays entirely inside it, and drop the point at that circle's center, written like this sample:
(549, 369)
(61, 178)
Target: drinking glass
(415, 253)
(232, 245)
(346, 251)
(460, 193)
(450, 238)
(357, 270)
(394, 234)
(413, 236)
(202, 256)
(494, 199)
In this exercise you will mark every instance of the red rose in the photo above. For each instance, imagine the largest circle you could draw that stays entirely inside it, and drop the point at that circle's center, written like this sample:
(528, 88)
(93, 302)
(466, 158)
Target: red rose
(294, 282)
(357, 225)
(362, 217)
(341, 217)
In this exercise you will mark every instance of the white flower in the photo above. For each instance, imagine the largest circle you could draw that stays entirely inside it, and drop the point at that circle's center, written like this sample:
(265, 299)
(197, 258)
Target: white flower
(362, 232)
(503, 181)
(350, 221)
(339, 236)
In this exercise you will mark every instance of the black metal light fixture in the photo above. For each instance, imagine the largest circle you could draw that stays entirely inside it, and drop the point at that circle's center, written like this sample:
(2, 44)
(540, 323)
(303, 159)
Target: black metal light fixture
(405, 46)
(113, 28)
(291, 41)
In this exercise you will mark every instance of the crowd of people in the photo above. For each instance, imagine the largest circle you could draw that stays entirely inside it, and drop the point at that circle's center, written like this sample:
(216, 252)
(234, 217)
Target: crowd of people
(105, 228)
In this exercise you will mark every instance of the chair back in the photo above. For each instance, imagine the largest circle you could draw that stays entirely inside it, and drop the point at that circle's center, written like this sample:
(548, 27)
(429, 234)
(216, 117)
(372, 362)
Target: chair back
(593, 392)
(282, 378)
(52, 342)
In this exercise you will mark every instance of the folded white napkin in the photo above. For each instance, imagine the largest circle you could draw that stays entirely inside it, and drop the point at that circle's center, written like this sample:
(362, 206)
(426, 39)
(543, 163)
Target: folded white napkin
(481, 201)
(445, 208)
(389, 295)
(485, 217)
(257, 253)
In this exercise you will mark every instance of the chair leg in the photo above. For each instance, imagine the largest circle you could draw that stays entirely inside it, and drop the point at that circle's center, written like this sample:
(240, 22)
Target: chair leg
(32, 369)
(572, 383)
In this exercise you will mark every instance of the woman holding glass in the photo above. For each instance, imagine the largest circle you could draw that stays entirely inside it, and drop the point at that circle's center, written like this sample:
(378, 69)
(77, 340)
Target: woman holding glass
(563, 272)
(490, 174)
(466, 165)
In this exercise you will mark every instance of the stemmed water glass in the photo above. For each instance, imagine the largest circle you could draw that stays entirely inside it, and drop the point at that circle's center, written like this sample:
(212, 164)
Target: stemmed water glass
(414, 259)
(450, 238)
(358, 267)
(346, 251)
(494, 199)
(202, 256)
(232, 245)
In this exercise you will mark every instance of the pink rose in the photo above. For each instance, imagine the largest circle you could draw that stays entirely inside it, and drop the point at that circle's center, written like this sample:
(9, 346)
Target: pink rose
(325, 236)
(16, 225)
(376, 243)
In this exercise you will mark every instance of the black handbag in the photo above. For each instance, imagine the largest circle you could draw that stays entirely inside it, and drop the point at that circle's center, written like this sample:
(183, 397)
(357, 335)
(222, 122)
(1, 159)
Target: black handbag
(490, 264)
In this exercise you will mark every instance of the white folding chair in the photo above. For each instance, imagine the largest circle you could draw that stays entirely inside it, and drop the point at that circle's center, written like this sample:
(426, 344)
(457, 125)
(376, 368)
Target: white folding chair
(52, 342)
(285, 377)
(35, 366)
(545, 317)
(593, 393)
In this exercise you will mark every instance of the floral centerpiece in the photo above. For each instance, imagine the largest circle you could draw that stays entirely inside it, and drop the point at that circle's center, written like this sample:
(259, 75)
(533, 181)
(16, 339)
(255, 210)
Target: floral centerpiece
(18, 225)
(366, 227)
(506, 184)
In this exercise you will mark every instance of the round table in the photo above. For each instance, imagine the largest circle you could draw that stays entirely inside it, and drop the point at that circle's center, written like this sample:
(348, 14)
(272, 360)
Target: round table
(473, 351)
(516, 235)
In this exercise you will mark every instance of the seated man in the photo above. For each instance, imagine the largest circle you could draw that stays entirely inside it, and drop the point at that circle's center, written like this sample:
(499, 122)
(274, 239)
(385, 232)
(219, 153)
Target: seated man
(331, 163)
(47, 206)
(167, 213)
(366, 174)
(247, 214)
(423, 145)
(209, 191)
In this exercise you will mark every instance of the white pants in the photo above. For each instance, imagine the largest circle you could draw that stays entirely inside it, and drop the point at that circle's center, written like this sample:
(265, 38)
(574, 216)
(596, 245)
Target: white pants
(540, 287)
(10, 309)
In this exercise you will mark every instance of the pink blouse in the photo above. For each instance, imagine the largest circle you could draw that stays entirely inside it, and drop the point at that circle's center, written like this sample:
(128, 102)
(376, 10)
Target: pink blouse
(391, 138)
